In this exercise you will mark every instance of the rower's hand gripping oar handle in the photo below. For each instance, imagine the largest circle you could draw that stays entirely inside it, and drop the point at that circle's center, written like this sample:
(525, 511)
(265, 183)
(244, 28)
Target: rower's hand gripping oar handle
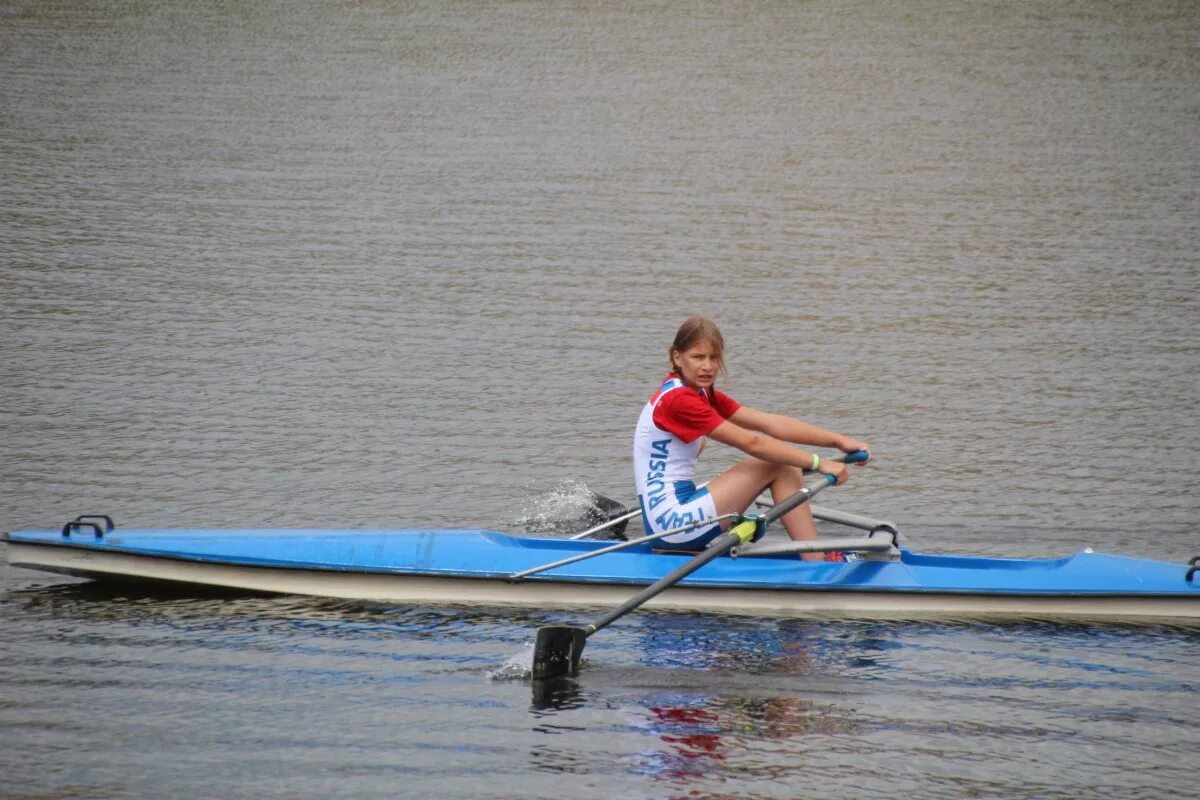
(853, 457)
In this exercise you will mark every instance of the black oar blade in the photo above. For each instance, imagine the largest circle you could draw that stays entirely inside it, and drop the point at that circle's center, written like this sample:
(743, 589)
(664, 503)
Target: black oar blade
(557, 650)
(607, 510)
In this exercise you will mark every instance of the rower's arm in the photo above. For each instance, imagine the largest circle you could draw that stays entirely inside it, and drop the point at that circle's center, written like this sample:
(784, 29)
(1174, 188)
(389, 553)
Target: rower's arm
(785, 428)
(761, 445)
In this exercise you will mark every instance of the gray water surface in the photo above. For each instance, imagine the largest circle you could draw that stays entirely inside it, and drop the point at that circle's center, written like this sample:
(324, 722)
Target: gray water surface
(417, 264)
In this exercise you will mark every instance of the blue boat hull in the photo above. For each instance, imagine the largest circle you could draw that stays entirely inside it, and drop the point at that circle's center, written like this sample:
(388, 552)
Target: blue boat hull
(475, 566)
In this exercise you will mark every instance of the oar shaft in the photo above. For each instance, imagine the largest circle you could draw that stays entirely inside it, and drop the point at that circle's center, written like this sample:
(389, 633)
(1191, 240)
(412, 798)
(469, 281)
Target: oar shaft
(718, 547)
(558, 648)
(516, 576)
(799, 498)
(606, 525)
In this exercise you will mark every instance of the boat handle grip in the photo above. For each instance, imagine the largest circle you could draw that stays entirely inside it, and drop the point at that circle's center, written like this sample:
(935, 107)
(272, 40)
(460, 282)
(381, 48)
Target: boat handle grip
(1193, 568)
(85, 521)
(78, 526)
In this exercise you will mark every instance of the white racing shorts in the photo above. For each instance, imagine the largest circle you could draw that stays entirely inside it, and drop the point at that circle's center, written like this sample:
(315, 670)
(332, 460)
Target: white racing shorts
(682, 505)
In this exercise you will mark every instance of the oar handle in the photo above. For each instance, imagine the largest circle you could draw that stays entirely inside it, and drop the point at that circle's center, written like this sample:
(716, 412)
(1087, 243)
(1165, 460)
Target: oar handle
(854, 457)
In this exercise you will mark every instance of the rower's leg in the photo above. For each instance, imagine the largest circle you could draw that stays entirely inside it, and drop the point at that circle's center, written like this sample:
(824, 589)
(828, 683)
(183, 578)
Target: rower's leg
(735, 489)
(799, 521)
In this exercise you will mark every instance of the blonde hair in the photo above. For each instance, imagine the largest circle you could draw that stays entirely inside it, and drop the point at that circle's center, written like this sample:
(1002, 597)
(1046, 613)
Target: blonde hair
(692, 332)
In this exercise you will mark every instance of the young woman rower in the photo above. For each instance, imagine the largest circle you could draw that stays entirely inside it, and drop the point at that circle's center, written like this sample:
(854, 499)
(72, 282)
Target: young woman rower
(670, 435)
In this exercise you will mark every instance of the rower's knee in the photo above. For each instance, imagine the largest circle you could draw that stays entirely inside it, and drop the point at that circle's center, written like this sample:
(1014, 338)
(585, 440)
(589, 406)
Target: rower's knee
(792, 474)
(786, 480)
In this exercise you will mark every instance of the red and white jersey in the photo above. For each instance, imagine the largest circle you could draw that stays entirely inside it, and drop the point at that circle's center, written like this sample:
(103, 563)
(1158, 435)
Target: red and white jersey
(666, 444)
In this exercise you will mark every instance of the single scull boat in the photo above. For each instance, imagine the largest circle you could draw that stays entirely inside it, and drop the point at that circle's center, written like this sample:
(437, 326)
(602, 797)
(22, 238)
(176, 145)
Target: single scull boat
(482, 567)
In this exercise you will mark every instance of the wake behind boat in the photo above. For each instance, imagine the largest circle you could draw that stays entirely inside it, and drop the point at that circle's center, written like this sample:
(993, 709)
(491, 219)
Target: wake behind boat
(483, 567)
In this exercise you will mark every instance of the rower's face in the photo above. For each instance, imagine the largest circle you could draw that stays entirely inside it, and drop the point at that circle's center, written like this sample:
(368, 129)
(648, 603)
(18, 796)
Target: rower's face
(699, 364)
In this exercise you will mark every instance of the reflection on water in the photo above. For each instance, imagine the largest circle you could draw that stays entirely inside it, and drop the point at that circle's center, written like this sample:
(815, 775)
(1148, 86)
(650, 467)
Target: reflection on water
(708, 702)
(718, 741)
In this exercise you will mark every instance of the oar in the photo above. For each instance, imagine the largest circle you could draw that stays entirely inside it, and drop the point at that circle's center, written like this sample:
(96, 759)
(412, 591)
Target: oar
(612, 523)
(558, 648)
(612, 548)
(855, 457)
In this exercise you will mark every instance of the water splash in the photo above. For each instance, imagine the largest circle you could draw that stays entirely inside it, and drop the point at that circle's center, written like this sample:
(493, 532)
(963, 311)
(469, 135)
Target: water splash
(568, 508)
(518, 667)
